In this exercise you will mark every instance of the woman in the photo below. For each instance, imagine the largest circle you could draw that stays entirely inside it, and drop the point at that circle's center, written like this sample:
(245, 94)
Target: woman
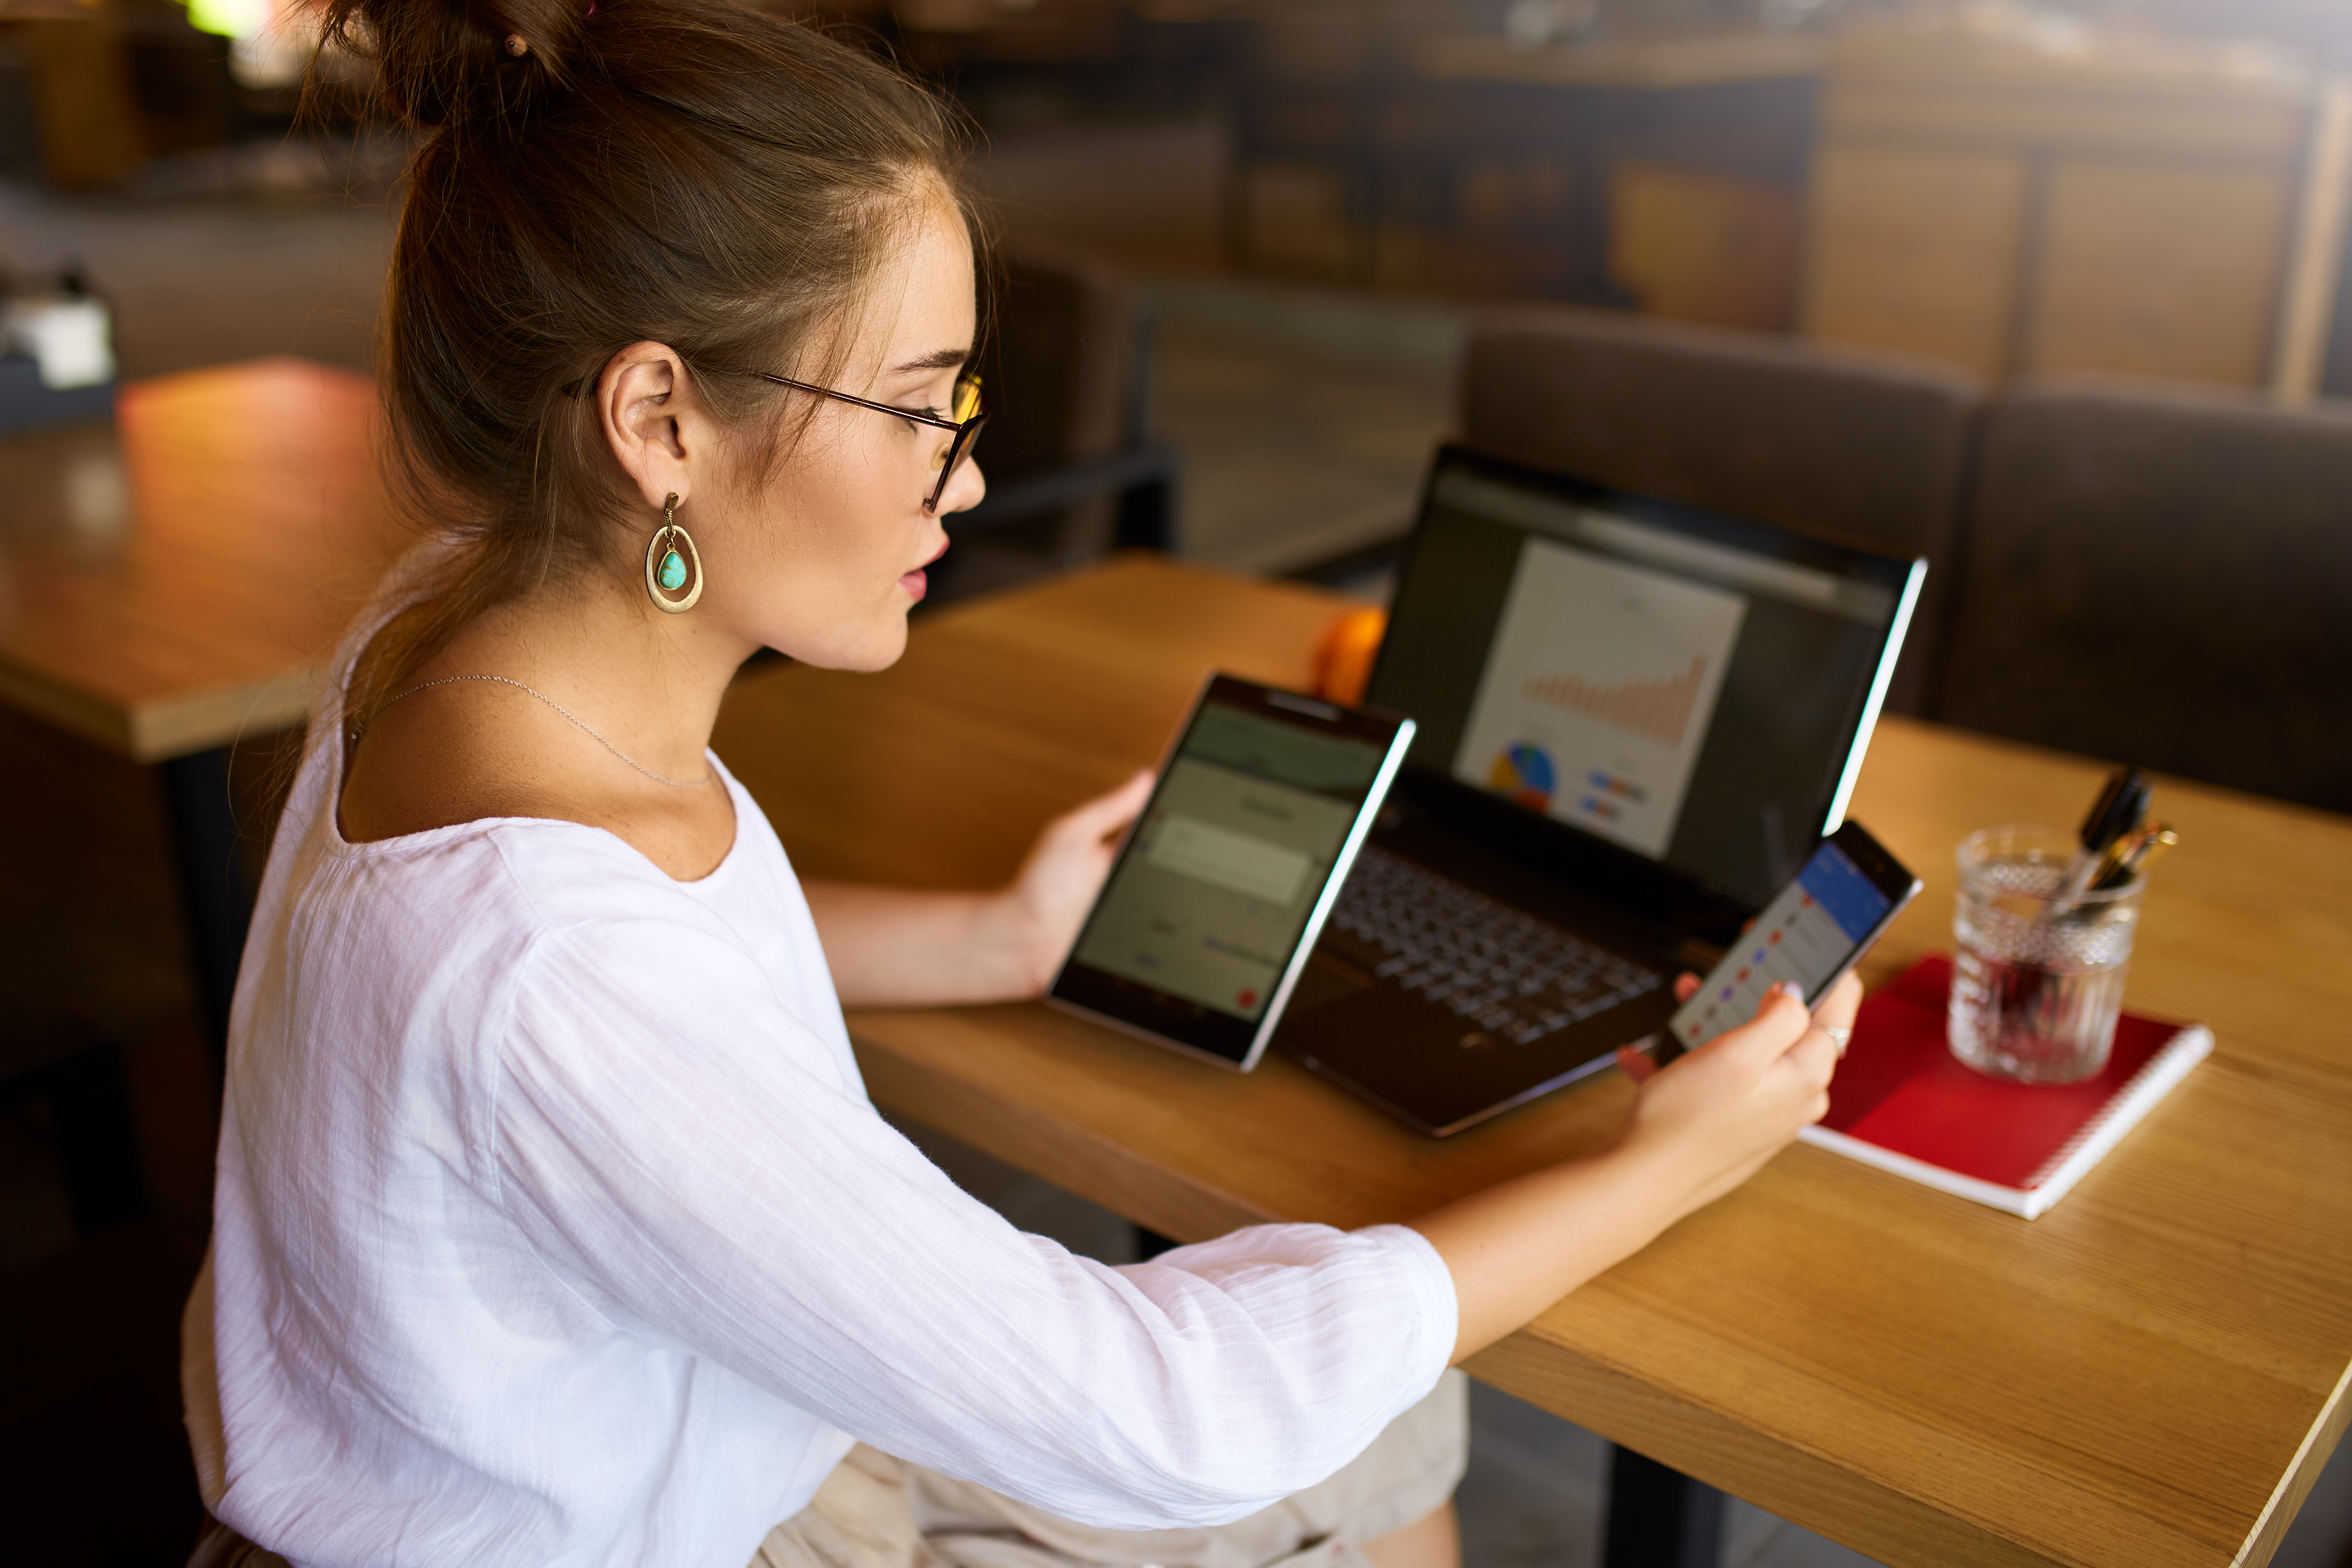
(552, 1224)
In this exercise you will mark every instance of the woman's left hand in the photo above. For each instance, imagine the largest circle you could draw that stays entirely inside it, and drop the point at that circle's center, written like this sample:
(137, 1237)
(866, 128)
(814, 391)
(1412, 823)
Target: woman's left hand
(896, 947)
(1057, 883)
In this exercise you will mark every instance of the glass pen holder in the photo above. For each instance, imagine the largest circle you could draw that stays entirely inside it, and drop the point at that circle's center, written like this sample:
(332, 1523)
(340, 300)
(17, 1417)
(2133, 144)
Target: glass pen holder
(2037, 967)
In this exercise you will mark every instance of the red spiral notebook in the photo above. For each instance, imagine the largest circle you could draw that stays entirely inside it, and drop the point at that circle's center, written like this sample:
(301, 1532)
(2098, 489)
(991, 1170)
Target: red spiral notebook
(1901, 1102)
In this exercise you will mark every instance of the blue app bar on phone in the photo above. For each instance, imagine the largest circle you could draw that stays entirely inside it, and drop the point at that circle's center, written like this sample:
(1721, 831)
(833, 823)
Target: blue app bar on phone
(1807, 935)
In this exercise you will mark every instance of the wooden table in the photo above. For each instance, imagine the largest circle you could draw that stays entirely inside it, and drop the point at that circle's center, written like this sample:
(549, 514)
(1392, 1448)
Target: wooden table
(2148, 1376)
(171, 579)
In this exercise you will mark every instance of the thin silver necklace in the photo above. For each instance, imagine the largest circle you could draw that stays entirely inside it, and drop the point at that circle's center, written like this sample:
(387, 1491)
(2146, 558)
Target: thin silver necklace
(552, 702)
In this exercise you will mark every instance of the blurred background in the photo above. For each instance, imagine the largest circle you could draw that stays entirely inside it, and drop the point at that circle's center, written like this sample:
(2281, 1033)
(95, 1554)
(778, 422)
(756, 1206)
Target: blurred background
(2153, 187)
(1246, 248)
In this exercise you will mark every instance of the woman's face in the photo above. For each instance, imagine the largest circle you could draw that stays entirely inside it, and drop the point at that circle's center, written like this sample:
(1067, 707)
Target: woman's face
(823, 557)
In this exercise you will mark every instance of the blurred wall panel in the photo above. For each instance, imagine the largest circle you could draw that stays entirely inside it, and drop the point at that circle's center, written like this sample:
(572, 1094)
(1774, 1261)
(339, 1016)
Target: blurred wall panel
(89, 130)
(1699, 247)
(2159, 271)
(1912, 248)
(2022, 199)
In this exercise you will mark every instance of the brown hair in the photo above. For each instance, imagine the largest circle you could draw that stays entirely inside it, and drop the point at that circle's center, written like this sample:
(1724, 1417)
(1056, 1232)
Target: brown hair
(687, 171)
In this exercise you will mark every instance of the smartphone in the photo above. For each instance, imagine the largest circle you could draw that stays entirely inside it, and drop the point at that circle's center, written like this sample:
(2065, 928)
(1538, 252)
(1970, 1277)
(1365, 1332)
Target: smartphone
(1212, 906)
(1813, 932)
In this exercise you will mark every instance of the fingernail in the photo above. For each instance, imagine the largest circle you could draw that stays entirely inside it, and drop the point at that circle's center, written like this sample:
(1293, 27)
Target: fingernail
(1791, 989)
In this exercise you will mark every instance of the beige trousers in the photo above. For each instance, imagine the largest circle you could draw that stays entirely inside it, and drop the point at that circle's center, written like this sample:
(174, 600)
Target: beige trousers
(874, 1511)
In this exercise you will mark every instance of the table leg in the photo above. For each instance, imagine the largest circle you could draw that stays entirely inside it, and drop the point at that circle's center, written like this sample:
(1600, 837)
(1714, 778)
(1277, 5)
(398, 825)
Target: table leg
(213, 893)
(1659, 1518)
(97, 1142)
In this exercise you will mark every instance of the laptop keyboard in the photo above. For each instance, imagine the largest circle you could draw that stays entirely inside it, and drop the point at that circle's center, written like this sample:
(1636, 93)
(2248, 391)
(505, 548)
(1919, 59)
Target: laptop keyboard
(1508, 972)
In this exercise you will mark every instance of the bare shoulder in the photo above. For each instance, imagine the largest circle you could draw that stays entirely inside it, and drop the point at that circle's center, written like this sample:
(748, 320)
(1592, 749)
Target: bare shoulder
(421, 765)
(436, 760)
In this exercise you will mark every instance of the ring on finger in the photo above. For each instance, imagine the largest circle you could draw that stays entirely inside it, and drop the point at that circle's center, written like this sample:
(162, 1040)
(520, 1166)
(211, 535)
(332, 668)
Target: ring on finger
(1840, 1037)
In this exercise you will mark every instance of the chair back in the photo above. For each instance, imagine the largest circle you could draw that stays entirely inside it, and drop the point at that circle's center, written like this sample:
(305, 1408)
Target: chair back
(1066, 362)
(2162, 573)
(1866, 448)
(1059, 359)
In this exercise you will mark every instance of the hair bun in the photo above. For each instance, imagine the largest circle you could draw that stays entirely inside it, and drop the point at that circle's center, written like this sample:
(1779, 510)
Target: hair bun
(446, 62)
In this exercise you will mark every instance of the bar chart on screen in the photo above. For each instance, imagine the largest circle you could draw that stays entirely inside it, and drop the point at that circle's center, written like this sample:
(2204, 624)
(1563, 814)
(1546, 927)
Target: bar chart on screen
(1660, 710)
(1598, 691)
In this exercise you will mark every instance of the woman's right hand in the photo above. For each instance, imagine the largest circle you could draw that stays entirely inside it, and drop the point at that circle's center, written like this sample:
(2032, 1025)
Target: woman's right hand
(1719, 1112)
(1698, 1128)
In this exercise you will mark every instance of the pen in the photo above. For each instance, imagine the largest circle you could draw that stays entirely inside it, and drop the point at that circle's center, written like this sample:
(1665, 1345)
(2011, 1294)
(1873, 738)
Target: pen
(2117, 813)
(2130, 857)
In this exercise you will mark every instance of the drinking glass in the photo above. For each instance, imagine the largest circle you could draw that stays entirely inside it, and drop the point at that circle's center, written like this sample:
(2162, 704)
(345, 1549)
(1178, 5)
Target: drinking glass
(2037, 972)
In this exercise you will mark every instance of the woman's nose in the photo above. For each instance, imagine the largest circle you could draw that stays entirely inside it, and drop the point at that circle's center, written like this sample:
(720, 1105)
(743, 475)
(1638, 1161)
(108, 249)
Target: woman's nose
(966, 487)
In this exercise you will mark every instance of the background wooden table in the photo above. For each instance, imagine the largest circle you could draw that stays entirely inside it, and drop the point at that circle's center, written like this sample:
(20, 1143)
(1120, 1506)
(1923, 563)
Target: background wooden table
(2149, 1375)
(173, 580)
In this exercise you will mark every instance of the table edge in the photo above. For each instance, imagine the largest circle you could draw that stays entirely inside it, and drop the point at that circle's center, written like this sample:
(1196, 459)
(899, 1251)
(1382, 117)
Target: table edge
(2302, 1472)
(161, 729)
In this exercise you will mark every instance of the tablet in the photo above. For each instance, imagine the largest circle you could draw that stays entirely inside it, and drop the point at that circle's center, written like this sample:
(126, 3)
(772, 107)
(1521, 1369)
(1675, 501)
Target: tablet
(1217, 896)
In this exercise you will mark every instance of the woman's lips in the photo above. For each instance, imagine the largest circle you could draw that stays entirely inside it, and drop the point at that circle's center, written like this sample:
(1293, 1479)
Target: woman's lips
(917, 583)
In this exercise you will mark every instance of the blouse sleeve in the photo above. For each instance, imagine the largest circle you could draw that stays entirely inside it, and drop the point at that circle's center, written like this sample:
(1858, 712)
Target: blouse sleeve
(677, 1144)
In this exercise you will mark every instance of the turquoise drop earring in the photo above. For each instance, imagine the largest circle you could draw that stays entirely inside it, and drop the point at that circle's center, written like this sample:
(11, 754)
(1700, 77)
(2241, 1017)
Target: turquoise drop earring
(666, 569)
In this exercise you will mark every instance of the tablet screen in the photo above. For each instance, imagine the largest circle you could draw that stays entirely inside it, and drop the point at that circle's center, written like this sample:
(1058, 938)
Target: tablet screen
(1204, 922)
(1209, 900)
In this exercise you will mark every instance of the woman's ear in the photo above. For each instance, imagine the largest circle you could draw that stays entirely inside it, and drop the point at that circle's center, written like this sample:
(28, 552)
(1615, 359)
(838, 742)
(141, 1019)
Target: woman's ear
(653, 423)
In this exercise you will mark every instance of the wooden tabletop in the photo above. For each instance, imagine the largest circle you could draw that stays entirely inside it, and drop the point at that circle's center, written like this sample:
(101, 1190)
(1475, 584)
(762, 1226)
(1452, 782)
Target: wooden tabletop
(2149, 1375)
(174, 577)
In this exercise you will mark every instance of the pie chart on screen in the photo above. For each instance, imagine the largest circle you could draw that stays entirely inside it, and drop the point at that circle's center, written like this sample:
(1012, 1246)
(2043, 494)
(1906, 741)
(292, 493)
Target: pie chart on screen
(1524, 771)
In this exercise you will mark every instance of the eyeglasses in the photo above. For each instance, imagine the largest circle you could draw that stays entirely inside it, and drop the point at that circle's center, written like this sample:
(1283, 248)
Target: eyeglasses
(965, 418)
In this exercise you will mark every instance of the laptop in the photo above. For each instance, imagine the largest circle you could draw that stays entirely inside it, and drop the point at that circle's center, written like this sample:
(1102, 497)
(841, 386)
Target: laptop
(1636, 721)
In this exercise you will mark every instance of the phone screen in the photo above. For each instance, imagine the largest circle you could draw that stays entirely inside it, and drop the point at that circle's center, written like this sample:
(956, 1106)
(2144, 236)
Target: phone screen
(1811, 934)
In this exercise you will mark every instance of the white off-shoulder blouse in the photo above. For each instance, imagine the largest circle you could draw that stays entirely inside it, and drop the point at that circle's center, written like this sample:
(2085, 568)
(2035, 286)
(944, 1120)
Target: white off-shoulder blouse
(553, 1225)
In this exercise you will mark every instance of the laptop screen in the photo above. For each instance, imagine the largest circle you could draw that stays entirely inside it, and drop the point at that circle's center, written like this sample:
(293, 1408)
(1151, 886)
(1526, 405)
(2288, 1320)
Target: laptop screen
(1689, 686)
